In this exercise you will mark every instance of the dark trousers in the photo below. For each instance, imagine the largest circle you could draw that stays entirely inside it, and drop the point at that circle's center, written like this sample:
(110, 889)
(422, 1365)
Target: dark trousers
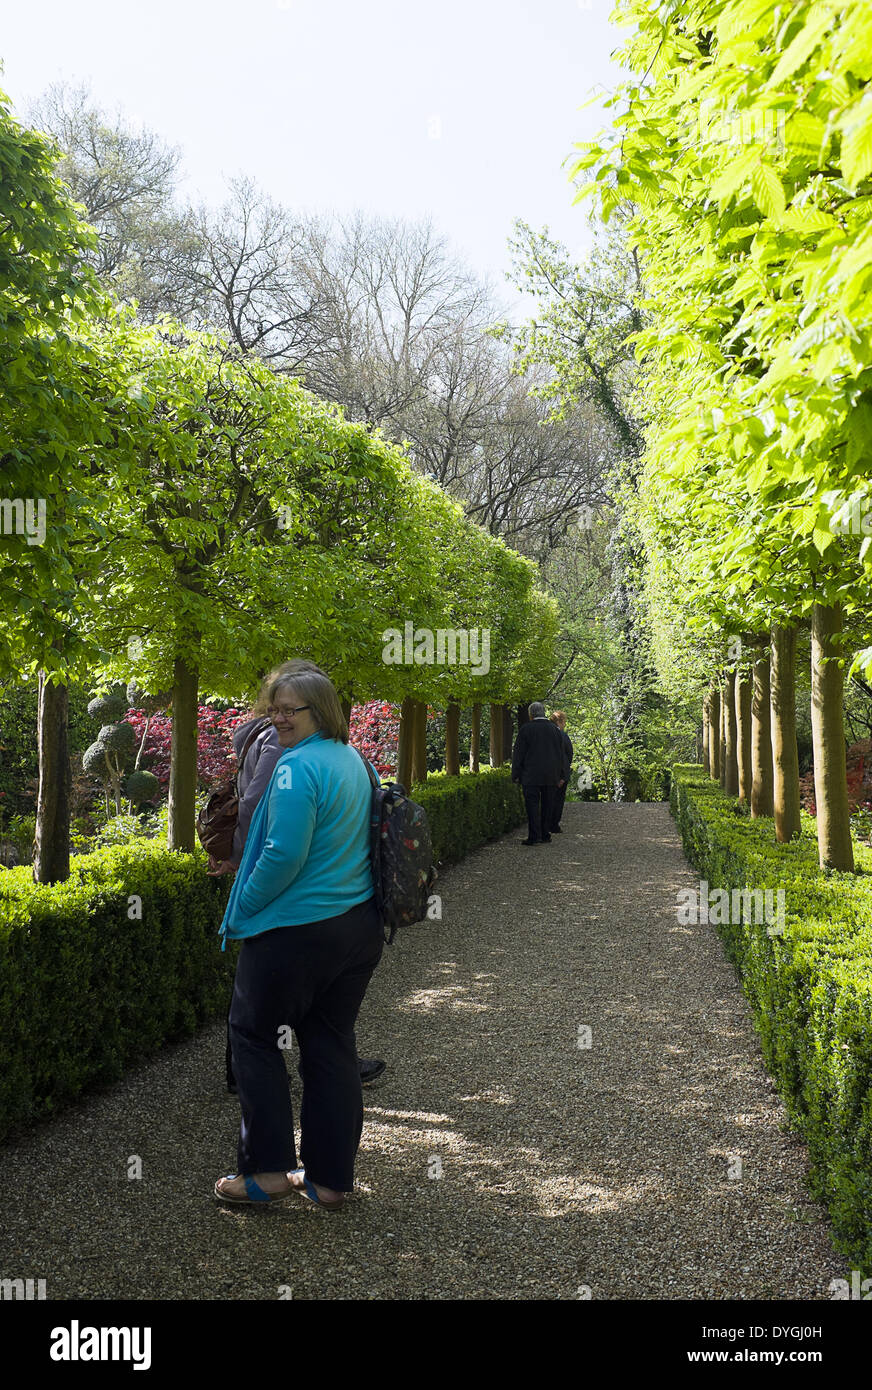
(559, 801)
(538, 801)
(311, 979)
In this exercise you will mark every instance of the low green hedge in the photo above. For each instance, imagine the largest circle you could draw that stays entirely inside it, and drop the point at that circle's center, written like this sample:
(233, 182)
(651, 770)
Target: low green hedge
(87, 986)
(810, 988)
(463, 812)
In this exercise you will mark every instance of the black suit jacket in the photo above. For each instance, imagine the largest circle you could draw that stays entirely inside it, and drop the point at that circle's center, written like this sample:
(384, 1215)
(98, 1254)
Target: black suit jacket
(567, 756)
(539, 754)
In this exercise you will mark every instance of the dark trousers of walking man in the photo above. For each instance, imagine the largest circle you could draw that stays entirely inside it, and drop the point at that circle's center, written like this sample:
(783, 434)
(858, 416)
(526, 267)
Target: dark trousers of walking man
(539, 802)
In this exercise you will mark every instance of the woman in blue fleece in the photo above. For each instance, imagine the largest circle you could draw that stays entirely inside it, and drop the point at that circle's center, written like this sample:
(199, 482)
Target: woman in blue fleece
(302, 903)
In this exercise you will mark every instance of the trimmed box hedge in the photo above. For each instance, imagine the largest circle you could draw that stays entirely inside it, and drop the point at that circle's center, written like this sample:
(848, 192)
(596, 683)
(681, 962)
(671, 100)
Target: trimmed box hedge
(463, 812)
(810, 988)
(88, 986)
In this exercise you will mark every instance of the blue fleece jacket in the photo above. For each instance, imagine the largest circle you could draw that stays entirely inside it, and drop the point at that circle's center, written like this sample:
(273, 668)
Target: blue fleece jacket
(306, 856)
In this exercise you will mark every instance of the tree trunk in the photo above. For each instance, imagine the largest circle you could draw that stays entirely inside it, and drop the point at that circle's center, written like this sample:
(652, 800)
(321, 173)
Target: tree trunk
(715, 737)
(496, 735)
(346, 710)
(183, 758)
(508, 734)
(731, 763)
(142, 742)
(706, 733)
(419, 745)
(828, 733)
(723, 737)
(51, 859)
(743, 732)
(405, 743)
(475, 739)
(785, 759)
(761, 743)
(452, 740)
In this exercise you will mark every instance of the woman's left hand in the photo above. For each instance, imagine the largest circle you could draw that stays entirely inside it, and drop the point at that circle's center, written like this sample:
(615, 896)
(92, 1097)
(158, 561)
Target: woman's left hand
(220, 866)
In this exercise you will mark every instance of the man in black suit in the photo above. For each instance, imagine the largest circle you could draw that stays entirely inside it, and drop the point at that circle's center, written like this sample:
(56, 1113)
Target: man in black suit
(537, 763)
(559, 718)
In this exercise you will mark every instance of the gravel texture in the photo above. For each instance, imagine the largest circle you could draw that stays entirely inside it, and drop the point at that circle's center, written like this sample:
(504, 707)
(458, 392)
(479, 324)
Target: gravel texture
(567, 1170)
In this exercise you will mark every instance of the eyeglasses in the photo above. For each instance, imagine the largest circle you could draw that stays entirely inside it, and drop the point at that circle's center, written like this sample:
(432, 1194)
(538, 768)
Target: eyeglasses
(287, 713)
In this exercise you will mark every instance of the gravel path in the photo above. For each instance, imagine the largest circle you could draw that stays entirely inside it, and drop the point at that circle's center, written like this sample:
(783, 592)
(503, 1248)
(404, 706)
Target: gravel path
(567, 1170)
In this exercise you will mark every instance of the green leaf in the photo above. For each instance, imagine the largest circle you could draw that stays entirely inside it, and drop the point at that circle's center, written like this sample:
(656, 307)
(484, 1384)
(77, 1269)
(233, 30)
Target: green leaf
(818, 21)
(805, 132)
(808, 220)
(768, 191)
(857, 141)
(733, 176)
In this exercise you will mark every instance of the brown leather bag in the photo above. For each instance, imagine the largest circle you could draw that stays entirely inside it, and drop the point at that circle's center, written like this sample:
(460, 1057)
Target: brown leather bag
(216, 823)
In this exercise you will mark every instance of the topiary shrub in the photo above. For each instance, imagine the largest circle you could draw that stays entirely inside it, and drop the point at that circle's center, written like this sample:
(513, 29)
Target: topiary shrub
(117, 738)
(141, 786)
(111, 706)
(108, 758)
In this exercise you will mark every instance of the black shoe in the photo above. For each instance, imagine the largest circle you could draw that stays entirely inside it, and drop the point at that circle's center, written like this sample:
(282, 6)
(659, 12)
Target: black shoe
(546, 839)
(556, 830)
(371, 1068)
(531, 842)
(233, 1088)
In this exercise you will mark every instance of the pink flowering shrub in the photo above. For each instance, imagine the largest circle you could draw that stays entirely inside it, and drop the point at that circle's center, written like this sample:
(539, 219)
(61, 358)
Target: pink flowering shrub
(215, 758)
(374, 729)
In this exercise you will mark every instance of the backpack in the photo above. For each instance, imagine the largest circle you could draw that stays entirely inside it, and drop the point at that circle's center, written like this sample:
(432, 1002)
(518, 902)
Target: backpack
(216, 823)
(401, 854)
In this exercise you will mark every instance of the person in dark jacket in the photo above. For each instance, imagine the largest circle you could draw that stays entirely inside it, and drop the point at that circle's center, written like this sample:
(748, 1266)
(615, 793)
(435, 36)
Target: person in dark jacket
(253, 778)
(537, 763)
(559, 718)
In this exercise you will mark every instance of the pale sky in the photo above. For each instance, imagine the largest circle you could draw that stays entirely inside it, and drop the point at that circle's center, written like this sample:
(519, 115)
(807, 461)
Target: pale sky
(464, 111)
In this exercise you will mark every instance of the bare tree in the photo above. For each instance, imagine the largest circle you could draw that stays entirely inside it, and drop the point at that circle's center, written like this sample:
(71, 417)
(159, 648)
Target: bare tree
(252, 278)
(531, 477)
(126, 181)
(394, 293)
